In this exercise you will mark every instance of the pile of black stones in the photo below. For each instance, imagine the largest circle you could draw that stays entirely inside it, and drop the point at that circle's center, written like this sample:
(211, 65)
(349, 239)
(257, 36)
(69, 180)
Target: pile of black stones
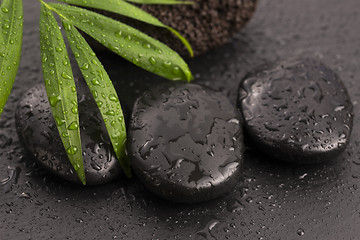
(186, 142)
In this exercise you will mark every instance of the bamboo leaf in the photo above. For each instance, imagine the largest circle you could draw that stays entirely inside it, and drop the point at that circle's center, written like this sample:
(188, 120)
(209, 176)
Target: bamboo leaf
(131, 11)
(127, 42)
(103, 92)
(160, 2)
(11, 30)
(60, 88)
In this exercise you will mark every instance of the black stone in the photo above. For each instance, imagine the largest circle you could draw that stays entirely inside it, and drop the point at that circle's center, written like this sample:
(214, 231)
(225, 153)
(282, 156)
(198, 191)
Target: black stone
(296, 110)
(186, 143)
(37, 131)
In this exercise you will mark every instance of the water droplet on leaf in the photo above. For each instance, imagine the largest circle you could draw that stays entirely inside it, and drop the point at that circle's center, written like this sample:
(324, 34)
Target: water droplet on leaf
(73, 126)
(72, 150)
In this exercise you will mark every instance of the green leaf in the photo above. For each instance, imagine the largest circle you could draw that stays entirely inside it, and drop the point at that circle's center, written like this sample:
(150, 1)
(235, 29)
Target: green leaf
(127, 42)
(103, 92)
(160, 2)
(60, 88)
(128, 10)
(11, 27)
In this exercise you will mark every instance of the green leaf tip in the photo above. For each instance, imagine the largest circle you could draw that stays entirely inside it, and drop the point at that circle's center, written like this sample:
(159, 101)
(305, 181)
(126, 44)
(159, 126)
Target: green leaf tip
(60, 88)
(102, 91)
(11, 23)
(131, 44)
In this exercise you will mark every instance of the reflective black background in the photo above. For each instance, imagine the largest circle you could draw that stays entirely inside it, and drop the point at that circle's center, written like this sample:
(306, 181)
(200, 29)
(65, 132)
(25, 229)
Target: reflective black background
(274, 200)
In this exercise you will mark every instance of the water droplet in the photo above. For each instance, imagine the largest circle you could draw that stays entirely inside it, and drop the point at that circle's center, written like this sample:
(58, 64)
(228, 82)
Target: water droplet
(25, 195)
(66, 76)
(72, 150)
(234, 205)
(300, 232)
(95, 81)
(59, 121)
(58, 49)
(147, 45)
(6, 26)
(113, 98)
(67, 26)
(99, 103)
(96, 166)
(152, 60)
(95, 93)
(5, 10)
(13, 175)
(167, 64)
(76, 166)
(74, 110)
(85, 66)
(110, 113)
(54, 100)
(73, 126)
(176, 70)
(118, 34)
(339, 108)
(205, 231)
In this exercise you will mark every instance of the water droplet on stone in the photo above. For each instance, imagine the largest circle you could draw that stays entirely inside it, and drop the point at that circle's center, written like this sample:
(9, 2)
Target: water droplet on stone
(172, 127)
(290, 112)
(300, 232)
(33, 118)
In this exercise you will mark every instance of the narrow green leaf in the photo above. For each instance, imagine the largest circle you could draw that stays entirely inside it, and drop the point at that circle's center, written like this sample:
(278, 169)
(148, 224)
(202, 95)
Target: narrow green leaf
(11, 30)
(127, 42)
(128, 10)
(60, 88)
(103, 92)
(160, 2)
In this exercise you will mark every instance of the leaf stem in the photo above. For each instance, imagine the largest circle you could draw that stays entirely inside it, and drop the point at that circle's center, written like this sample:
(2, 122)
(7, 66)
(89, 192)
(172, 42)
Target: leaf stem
(52, 9)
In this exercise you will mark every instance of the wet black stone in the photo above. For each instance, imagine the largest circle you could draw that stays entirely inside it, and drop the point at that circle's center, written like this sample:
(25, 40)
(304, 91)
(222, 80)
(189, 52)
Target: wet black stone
(186, 143)
(296, 110)
(37, 131)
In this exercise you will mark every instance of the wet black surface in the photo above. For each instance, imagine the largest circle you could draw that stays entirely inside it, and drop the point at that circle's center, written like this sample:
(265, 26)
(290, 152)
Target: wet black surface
(296, 110)
(273, 200)
(37, 131)
(186, 143)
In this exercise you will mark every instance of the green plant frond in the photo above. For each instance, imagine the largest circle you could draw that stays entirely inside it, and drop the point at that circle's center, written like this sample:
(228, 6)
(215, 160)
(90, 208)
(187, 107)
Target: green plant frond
(11, 25)
(131, 11)
(160, 2)
(127, 42)
(103, 92)
(60, 88)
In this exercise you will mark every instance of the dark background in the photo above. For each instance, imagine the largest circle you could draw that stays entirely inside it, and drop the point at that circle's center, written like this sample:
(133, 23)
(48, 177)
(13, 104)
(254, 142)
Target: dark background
(273, 200)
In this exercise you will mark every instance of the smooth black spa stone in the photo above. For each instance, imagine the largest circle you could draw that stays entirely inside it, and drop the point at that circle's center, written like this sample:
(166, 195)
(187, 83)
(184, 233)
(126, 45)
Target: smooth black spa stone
(296, 110)
(185, 142)
(37, 131)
